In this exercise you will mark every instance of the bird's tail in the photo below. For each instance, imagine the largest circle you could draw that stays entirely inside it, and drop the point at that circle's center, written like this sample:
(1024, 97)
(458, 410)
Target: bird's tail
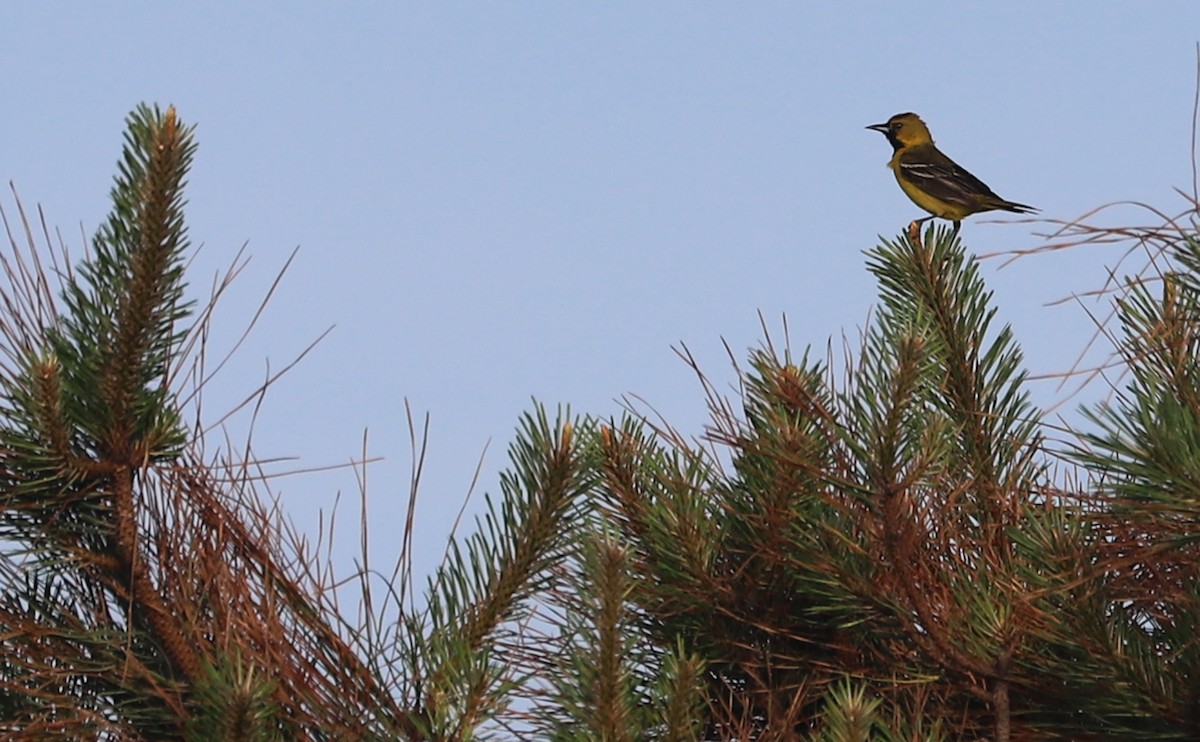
(1014, 207)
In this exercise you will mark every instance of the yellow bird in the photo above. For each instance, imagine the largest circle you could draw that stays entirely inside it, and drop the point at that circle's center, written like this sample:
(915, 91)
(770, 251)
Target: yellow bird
(932, 180)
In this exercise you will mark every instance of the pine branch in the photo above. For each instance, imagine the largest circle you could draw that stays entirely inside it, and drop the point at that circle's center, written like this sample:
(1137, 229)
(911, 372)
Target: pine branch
(481, 594)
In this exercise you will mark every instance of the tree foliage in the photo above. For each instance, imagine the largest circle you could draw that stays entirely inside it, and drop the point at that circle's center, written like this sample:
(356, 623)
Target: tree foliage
(882, 549)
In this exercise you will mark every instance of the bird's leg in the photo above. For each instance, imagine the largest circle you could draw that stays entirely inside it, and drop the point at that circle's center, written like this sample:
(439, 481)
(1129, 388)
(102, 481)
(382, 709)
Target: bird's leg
(914, 230)
(954, 233)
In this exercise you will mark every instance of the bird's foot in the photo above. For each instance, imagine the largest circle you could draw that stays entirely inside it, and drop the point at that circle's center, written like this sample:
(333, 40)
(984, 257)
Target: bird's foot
(914, 232)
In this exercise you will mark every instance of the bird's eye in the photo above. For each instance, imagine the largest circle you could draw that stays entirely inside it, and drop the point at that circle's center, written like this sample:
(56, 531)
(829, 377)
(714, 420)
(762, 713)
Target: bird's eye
(897, 126)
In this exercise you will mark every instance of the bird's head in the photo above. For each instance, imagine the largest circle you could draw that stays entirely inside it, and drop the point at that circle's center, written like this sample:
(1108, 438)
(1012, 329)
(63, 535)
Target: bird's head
(904, 130)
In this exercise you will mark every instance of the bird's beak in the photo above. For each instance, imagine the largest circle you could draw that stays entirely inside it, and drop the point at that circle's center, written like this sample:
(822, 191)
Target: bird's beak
(881, 128)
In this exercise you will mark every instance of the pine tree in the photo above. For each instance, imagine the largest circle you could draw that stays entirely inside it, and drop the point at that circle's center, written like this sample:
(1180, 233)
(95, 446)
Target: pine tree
(146, 593)
(885, 549)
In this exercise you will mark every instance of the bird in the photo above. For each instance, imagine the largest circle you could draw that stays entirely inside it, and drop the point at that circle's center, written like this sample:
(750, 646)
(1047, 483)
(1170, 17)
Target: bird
(932, 180)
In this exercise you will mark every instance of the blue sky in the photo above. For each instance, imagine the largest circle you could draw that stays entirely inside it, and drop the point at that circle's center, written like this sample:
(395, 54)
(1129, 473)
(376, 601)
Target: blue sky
(500, 201)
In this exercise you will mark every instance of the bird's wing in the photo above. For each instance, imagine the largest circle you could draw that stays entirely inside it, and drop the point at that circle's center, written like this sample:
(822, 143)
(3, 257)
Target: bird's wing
(940, 177)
